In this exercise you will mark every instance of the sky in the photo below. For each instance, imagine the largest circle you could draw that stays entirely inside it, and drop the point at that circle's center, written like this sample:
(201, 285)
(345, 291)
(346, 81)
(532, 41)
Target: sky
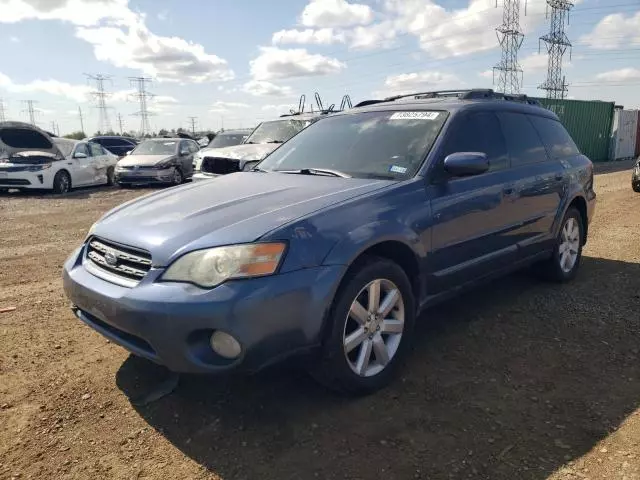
(234, 63)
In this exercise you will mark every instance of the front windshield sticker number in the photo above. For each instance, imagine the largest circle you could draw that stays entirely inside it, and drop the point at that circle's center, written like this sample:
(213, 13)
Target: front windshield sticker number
(397, 169)
(414, 116)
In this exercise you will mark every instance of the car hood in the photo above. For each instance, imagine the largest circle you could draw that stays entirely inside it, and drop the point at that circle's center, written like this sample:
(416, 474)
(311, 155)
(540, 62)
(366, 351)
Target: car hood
(146, 160)
(235, 208)
(241, 152)
(22, 139)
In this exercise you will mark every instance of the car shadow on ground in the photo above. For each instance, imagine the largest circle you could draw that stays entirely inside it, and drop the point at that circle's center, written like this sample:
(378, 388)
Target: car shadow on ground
(511, 381)
(76, 193)
(601, 168)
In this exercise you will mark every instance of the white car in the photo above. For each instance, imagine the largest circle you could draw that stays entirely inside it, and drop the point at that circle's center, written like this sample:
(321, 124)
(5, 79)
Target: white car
(31, 159)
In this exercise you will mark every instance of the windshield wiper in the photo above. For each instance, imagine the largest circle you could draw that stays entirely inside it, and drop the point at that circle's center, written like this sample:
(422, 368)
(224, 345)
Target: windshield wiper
(258, 169)
(275, 141)
(317, 171)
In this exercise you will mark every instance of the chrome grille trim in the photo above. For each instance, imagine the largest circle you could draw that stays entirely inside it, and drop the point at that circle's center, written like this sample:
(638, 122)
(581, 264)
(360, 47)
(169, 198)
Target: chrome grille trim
(129, 268)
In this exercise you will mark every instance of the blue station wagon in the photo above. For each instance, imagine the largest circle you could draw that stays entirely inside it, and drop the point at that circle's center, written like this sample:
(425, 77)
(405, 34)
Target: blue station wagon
(333, 245)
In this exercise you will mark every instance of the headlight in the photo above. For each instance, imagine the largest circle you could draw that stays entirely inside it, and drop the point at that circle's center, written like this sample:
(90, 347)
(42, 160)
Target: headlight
(38, 168)
(211, 267)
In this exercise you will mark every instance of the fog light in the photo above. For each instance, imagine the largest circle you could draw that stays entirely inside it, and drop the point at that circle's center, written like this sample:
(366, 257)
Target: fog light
(225, 345)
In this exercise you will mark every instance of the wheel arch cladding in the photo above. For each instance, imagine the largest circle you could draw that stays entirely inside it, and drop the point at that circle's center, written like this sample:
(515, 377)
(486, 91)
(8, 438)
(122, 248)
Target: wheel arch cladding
(580, 204)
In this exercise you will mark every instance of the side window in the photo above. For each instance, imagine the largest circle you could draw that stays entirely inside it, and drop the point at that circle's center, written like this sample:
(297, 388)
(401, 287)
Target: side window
(554, 136)
(523, 142)
(81, 148)
(96, 150)
(193, 147)
(479, 132)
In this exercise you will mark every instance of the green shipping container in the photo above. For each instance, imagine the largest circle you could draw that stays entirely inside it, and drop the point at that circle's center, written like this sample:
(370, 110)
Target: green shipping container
(588, 122)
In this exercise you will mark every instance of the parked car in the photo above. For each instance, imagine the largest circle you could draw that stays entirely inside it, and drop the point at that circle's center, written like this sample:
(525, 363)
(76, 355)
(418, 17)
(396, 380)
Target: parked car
(117, 145)
(228, 138)
(158, 160)
(334, 244)
(261, 142)
(31, 159)
(635, 177)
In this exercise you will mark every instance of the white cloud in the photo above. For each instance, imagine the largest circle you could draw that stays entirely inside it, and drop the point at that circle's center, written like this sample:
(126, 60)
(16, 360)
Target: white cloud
(381, 35)
(417, 82)
(323, 36)
(534, 63)
(335, 13)
(77, 93)
(622, 75)
(221, 107)
(266, 89)
(14, 39)
(120, 36)
(614, 31)
(164, 99)
(274, 63)
(282, 108)
(486, 74)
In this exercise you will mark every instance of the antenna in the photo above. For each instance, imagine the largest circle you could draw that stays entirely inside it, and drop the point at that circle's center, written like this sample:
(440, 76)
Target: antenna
(100, 96)
(510, 38)
(29, 110)
(557, 43)
(142, 96)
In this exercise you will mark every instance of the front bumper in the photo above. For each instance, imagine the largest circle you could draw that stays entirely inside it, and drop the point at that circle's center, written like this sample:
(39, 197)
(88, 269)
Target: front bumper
(31, 180)
(203, 176)
(144, 176)
(171, 323)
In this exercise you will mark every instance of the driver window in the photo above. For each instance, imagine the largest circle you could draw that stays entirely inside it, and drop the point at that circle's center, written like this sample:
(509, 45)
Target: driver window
(81, 148)
(96, 150)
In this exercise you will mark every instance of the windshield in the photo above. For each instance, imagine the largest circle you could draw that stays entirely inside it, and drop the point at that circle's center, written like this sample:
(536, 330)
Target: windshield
(277, 132)
(65, 146)
(156, 147)
(227, 140)
(367, 145)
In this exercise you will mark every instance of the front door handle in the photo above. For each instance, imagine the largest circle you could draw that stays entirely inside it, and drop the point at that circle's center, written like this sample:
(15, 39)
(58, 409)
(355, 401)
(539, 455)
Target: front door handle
(509, 191)
(559, 177)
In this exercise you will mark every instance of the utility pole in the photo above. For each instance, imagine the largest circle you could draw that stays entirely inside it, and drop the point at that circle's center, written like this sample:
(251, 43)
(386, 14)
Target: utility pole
(193, 125)
(2, 111)
(29, 110)
(557, 43)
(53, 127)
(100, 96)
(120, 123)
(81, 120)
(142, 96)
(510, 38)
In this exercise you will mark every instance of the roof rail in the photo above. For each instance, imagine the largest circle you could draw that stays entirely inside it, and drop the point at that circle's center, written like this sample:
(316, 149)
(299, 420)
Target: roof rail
(471, 94)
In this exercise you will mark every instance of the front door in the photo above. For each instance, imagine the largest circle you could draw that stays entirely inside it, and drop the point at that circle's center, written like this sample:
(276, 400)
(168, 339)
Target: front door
(99, 162)
(80, 165)
(470, 236)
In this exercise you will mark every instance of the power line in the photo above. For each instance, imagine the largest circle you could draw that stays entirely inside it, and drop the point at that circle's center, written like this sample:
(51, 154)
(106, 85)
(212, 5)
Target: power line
(510, 38)
(142, 96)
(30, 110)
(100, 96)
(81, 119)
(557, 43)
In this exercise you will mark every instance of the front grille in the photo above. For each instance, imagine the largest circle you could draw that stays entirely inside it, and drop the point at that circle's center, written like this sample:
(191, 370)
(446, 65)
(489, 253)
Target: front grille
(220, 166)
(120, 264)
(14, 181)
(138, 167)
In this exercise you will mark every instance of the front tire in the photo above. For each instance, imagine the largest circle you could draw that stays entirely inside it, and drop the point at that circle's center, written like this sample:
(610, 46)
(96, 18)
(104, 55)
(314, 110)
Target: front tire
(370, 322)
(567, 253)
(61, 183)
(178, 178)
(636, 187)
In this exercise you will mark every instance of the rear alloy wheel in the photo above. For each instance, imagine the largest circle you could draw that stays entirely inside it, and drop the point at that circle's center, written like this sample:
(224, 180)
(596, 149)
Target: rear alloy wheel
(62, 183)
(177, 177)
(372, 319)
(636, 187)
(563, 265)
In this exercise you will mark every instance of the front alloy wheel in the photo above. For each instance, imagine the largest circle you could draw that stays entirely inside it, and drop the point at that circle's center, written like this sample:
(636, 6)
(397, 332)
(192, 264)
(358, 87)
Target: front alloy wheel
(177, 176)
(372, 335)
(369, 328)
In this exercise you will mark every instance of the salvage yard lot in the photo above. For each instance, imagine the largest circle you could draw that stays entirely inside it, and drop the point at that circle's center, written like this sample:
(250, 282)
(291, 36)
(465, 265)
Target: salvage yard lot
(521, 380)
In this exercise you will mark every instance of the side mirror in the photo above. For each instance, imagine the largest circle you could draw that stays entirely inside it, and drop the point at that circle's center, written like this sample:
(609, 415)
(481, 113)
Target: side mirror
(80, 155)
(184, 153)
(464, 164)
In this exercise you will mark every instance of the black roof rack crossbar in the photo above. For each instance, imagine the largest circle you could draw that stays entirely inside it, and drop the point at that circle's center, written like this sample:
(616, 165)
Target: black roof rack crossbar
(472, 94)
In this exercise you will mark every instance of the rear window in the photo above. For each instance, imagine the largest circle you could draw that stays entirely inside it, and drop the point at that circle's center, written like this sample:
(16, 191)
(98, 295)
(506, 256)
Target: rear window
(384, 144)
(228, 140)
(554, 136)
(523, 141)
(24, 138)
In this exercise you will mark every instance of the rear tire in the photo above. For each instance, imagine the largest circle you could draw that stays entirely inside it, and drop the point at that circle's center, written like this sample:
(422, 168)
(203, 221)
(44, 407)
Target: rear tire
(636, 187)
(62, 183)
(368, 333)
(567, 253)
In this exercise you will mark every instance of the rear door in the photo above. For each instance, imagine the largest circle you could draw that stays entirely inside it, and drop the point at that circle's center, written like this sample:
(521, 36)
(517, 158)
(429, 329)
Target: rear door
(470, 236)
(538, 181)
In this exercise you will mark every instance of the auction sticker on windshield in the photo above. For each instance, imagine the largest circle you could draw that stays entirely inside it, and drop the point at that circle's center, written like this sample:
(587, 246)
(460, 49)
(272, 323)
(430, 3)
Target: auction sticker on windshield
(414, 116)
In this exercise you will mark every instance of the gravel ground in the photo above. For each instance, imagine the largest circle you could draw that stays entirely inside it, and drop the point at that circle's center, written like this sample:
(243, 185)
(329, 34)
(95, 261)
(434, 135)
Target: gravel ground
(521, 380)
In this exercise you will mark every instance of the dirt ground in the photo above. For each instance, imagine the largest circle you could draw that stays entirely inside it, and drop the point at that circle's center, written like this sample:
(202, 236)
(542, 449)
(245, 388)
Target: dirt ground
(520, 380)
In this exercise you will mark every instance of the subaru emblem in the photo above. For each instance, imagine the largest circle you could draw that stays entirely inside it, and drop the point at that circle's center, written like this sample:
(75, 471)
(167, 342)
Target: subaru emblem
(111, 258)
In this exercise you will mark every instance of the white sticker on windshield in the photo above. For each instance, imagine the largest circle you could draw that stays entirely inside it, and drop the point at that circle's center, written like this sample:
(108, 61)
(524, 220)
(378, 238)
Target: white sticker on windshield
(397, 169)
(168, 144)
(414, 116)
